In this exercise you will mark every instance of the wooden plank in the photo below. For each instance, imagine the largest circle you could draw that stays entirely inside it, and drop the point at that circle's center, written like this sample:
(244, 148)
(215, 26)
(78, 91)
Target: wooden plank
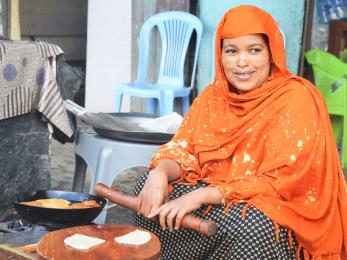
(74, 47)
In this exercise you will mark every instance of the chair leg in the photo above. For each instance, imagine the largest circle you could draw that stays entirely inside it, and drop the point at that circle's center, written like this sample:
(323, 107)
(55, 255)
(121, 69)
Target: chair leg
(103, 175)
(103, 168)
(185, 105)
(152, 105)
(80, 174)
(118, 101)
(101, 218)
(166, 103)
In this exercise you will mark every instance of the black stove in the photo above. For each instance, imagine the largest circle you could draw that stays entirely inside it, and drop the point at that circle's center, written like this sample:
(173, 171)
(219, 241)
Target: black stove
(20, 225)
(18, 232)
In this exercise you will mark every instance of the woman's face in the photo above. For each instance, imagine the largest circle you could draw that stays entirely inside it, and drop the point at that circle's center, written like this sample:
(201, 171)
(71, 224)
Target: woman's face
(246, 61)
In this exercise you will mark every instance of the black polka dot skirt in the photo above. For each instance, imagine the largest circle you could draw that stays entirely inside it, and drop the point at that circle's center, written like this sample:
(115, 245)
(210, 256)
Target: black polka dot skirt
(237, 238)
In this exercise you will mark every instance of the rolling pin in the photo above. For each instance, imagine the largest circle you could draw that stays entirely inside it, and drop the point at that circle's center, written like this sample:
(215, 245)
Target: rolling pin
(206, 227)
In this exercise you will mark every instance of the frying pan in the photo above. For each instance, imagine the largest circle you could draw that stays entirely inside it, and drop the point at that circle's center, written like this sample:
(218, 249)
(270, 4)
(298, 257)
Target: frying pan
(54, 218)
(124, 127)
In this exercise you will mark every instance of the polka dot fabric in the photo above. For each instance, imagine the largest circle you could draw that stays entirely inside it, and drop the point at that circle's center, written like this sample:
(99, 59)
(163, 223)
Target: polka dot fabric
(237, 238)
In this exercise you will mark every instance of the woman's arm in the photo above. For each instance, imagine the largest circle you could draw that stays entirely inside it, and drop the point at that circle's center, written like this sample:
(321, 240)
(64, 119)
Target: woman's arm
(170, 168)
(172, 212)
(155, 192)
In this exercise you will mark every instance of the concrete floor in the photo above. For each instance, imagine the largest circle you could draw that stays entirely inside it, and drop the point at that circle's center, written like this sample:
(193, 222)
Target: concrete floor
(62, 172)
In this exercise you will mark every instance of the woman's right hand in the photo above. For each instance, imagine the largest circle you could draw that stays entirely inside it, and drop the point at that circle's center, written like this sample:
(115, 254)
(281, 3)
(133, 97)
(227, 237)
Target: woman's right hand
(154, 193)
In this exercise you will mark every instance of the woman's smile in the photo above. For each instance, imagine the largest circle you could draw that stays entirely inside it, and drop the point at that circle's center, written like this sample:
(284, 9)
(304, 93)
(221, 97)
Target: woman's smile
(244, 75)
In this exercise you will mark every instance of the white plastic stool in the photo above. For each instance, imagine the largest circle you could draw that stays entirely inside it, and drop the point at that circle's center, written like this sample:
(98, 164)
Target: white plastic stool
(106, 158)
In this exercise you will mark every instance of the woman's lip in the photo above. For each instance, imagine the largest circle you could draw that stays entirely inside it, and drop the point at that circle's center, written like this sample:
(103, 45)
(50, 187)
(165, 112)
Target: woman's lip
(243, 75)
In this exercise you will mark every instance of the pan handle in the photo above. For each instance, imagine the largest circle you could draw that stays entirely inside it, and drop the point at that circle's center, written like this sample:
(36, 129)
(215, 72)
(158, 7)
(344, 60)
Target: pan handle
(29, 248)
(206, 227)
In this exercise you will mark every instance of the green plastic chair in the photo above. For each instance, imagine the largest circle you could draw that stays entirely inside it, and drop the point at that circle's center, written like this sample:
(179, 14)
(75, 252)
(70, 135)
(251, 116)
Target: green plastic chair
(330, 77)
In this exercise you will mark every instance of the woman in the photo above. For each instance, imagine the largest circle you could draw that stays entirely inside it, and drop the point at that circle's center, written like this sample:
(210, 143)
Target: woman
(258, 146)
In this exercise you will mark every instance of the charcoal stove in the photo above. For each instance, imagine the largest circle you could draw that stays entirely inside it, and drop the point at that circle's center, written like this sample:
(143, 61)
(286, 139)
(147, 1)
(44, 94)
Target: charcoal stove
(18, 232)
(20, 225)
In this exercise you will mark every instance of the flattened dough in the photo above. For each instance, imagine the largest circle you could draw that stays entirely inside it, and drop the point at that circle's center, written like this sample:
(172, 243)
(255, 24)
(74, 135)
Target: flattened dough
(78, 241)
(137, 237)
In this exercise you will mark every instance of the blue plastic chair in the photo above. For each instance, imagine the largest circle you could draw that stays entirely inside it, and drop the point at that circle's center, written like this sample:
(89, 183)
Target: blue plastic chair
(175, 29)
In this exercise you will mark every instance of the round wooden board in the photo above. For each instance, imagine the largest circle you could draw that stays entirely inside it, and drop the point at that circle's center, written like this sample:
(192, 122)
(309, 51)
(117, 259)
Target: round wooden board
(52, 245)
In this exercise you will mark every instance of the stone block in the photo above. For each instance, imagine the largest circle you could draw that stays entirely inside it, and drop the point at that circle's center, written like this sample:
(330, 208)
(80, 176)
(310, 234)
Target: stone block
(25, 159)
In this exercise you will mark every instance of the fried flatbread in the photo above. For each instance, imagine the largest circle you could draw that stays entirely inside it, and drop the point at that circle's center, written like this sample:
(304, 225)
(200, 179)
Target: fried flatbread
(54, 203)
(62, 204)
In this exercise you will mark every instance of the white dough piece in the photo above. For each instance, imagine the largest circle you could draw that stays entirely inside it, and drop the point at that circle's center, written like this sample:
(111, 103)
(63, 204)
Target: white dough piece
(78, 241)
(137, 237)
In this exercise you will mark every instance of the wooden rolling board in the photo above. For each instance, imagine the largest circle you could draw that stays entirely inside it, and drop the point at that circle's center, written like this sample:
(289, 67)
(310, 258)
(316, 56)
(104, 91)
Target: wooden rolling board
(52, 245)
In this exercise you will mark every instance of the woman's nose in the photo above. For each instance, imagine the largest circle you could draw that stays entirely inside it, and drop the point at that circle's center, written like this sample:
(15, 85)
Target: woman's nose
(242, 60)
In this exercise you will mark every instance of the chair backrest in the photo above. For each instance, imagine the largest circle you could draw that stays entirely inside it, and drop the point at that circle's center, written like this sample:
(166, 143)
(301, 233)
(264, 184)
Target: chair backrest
(175, 29)
(327, 62)
(330, 77)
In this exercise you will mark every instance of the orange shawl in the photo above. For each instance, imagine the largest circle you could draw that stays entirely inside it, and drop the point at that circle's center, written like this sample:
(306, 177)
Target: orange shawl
(272, 147)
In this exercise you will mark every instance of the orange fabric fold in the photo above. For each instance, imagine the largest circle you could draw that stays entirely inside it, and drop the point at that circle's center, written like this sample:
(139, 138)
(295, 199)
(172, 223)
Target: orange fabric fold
(272, 147)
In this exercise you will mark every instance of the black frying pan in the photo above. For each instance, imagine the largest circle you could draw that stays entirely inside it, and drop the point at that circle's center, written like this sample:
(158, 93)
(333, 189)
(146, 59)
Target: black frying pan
(57, 218)
(124, 127)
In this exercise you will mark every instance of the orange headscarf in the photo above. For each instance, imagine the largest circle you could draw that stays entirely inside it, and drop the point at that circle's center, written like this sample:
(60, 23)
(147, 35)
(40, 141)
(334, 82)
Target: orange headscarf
(272, 147)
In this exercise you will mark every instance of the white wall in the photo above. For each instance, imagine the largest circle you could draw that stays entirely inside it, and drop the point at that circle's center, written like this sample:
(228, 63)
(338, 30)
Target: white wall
(108, 52)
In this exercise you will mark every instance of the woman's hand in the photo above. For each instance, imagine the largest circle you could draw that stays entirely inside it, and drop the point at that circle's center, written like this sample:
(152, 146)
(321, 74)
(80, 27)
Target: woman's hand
(154, 193)
(172, 212)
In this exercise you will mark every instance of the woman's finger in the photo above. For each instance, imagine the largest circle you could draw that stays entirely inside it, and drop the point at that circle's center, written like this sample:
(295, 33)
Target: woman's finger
(148, 208)
(179, 218)
(143, 207)
(163, 212)
(154, 212)
(171, 218)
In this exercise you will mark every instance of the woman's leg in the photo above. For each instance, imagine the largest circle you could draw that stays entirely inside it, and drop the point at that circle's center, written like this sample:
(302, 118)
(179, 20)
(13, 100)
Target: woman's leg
(253, 237)
(237, 238)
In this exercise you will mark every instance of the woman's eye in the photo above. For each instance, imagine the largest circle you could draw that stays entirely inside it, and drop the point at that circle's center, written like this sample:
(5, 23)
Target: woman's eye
(255, 50)
(230, 51)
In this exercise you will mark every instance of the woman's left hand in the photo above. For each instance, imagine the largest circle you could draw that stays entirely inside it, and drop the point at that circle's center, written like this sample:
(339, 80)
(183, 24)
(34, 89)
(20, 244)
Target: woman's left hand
(172, 212)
